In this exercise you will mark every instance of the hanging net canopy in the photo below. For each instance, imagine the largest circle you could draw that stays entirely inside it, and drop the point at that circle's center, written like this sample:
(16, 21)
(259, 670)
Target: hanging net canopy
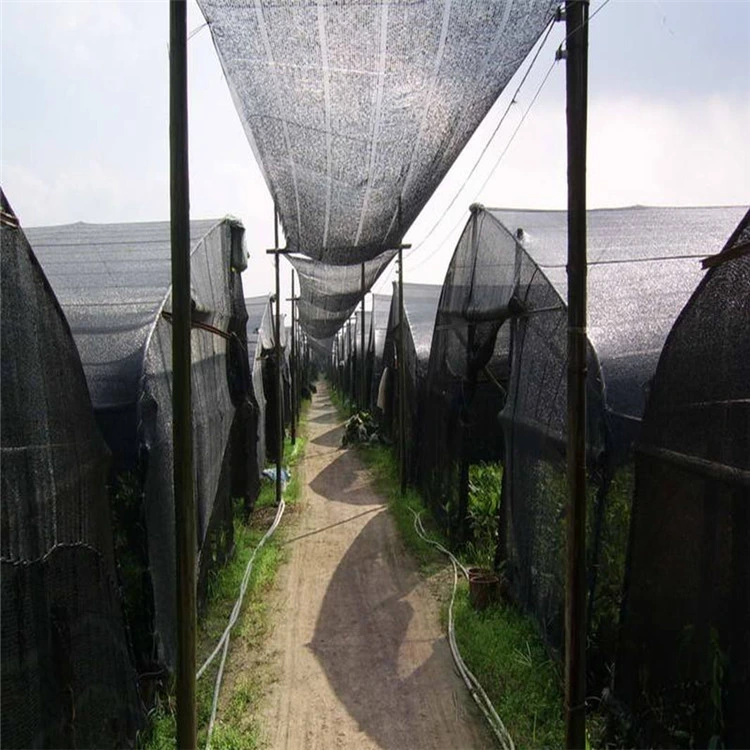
(114, 284)
(688, 598)
(356, 110)
(330, 294)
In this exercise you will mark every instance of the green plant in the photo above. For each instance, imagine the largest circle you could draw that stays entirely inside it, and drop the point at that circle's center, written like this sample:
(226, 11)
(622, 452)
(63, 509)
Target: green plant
(484, 495)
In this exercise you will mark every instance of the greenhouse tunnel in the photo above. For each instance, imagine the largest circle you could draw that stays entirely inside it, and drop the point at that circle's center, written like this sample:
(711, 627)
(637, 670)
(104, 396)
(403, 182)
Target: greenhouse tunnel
(381, 310)
(68, 675)
(687, 606)
(113, 282)
(467, 378)
(259, 343)
(420, 307)
(522, 255)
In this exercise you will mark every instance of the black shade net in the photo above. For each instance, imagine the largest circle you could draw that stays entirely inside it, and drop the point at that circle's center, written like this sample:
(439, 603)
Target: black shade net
(260, 341)
(329, 294)
(68, 675)
(113, 281)
(420, 308)
(502, 326)
(687, 610)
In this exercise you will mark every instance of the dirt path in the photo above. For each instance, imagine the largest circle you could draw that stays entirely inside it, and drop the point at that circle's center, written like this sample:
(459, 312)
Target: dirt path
(356, 639)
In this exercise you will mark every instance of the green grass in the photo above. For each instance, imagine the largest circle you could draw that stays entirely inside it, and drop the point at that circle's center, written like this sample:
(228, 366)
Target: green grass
(502, 648)
(379, 459)
(237, 726)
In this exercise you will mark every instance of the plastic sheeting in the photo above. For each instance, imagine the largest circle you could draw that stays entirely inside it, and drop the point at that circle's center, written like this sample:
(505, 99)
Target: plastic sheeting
(113, 281)
(68, 678)
(688, 599)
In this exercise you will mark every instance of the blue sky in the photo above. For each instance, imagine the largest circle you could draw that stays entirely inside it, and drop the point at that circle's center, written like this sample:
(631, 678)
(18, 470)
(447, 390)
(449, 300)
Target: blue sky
(84, 122)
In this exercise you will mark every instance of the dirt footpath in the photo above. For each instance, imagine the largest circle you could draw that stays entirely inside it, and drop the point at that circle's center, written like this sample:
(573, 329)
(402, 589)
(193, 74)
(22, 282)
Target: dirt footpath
(361, 658)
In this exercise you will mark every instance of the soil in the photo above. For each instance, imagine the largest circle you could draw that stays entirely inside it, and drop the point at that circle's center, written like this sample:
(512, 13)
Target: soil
(356, 641)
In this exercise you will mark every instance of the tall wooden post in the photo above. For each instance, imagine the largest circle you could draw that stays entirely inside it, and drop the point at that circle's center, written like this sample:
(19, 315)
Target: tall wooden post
(293, 367)
(279, 381)
(576, 26)
(363, 363)
(401, 375)
(182, 425)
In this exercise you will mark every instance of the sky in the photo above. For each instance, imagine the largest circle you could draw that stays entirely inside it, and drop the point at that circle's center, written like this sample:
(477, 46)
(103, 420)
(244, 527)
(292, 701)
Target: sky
(84, 124)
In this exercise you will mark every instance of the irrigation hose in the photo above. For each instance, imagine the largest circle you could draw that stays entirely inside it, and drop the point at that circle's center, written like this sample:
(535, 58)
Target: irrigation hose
(235, 615)
(474, 687)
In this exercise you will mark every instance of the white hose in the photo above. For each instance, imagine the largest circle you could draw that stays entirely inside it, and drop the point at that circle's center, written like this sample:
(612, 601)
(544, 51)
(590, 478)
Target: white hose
(224, 640)
(475, 689)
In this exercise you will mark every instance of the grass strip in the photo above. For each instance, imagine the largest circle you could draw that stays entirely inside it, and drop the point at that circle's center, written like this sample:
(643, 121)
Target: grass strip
(237, 725)
(500, 645)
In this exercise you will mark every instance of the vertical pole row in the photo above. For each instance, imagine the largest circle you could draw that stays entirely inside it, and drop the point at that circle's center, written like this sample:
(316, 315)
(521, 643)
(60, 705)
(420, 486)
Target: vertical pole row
(293, 364)
(401, 375)
(279, 388)
(182, 427)
(576, 22)
(363, 364)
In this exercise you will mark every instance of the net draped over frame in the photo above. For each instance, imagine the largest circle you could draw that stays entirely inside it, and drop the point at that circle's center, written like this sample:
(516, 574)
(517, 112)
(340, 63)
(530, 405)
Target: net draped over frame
(114, 284)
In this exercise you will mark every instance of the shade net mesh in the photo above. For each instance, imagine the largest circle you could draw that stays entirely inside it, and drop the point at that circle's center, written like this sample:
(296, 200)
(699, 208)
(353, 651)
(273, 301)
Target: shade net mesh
(381, 310)
(353, 108)
(113, 282)
(329, 294)
(467, 377)
(688, 601)
(259, 343)
(644, 264)
(420, 308)
(68, 676)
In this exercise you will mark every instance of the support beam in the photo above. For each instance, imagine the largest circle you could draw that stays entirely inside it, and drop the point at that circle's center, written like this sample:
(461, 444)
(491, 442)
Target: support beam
(293, 367)
(401, 376)
(276, 252)
(182, 425)
(576, 26)
(362, 366)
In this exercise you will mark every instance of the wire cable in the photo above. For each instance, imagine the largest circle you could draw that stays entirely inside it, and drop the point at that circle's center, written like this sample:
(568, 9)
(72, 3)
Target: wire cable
(507, 147)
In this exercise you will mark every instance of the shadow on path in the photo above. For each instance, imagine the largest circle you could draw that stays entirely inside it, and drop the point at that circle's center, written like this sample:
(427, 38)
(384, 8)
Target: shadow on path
(343, 481)
(382, 668)
(330, 439)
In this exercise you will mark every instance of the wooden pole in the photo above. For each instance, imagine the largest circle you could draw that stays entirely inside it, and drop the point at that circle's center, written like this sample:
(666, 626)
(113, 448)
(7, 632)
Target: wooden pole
(363, 400)
(293, 365)
(182, 425)
(279, 383)
(576, 27)
(401, 376)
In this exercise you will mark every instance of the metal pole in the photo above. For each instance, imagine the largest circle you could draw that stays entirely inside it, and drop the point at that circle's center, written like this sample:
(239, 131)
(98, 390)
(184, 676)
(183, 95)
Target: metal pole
(279, 384)
(293, 364)
(363, 402)
(576, 27)
(401, 376)
(182, 425)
